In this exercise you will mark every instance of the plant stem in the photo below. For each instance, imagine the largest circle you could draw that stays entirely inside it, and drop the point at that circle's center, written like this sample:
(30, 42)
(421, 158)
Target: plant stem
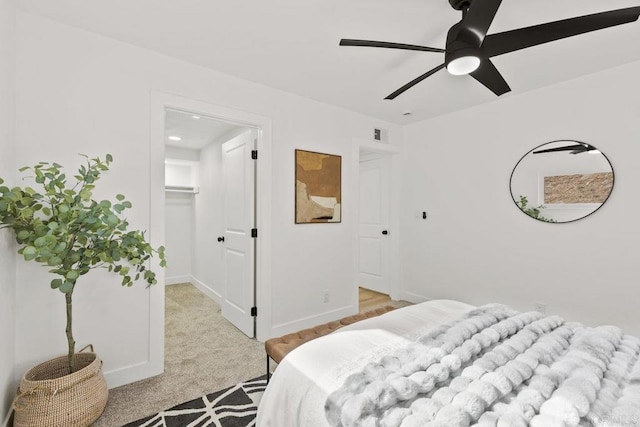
(71, 356)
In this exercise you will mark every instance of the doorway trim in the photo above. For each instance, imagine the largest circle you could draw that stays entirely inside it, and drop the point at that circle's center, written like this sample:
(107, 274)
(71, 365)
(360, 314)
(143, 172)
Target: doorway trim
(159, 102)
(391, 151)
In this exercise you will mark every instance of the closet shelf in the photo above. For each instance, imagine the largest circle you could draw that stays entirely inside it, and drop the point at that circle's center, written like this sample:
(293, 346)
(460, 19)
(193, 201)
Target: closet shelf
(181, 189)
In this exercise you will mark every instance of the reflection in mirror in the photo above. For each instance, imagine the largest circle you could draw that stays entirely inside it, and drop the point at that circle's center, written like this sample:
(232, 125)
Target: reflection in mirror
(562, 181)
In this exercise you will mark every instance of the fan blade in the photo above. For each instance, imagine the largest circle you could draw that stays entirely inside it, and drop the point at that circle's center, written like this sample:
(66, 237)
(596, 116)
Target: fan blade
(388, 45)
(414, 82)
(489, 76)
(480, 16)
(509, 41)
(578, 147)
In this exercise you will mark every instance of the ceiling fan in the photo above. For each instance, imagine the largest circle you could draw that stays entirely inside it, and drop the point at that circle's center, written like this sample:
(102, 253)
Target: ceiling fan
(469, 48)
(573, 149)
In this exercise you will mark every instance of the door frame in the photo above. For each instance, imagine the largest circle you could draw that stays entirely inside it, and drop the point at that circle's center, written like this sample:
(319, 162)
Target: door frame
(391, 151)
(159, 102)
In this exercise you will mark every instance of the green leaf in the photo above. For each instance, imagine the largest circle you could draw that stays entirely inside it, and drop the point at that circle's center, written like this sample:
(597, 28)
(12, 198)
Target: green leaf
(46, 211)
(72, 275)
(29, 253)
(56, 283)
(22, 169)
(40, 242)
(109, 158)
(66, 287)
(112, 220)
(23, 234)
(127, 204)
(120, 197)
(54, 260)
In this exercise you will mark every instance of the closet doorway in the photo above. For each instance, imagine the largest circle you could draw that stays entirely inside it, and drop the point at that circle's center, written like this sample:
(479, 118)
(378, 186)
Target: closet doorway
(210, 210)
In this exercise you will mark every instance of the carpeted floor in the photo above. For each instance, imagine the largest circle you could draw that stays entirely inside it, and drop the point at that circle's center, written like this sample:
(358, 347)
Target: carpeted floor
(196, 363)
(203, 353)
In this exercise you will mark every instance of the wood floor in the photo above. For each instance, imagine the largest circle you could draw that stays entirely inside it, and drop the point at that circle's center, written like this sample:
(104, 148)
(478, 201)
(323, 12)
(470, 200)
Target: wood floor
(370, 300)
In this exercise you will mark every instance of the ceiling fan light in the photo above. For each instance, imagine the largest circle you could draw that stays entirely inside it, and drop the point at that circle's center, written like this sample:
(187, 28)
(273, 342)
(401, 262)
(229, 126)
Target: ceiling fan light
(463, 65)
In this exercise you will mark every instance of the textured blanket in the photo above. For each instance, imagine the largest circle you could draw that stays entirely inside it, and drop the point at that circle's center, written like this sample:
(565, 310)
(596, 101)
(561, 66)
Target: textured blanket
(498, 367)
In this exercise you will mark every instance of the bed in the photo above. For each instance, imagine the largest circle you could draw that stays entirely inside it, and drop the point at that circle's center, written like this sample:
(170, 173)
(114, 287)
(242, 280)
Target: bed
(446, 363)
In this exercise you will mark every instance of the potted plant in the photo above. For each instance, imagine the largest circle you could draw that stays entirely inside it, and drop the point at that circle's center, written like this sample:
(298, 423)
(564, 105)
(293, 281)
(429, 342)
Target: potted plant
(62, 227)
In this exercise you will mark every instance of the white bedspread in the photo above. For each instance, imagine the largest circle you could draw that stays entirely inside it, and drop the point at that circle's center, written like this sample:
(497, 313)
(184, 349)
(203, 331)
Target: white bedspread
(298, 390)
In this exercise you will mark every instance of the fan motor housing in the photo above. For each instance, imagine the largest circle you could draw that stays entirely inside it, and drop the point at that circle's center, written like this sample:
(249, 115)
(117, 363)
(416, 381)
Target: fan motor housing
(460, 4)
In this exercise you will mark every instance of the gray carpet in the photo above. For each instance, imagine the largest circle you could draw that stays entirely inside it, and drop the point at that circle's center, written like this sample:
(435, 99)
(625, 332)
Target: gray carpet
(203, 353)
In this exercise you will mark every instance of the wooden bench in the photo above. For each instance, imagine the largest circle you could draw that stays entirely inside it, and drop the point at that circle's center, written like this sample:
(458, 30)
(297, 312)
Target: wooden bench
(278, 348)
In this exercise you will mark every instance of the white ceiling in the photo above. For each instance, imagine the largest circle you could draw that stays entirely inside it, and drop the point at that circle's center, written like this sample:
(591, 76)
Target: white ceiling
(195, 131)
(293, 45)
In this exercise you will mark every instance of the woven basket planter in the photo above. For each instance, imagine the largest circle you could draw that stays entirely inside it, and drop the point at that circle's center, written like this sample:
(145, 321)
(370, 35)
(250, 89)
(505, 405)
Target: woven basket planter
(50, 396)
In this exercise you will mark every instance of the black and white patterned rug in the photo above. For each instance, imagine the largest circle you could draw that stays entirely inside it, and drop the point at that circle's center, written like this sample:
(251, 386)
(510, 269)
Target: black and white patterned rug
(232, 407)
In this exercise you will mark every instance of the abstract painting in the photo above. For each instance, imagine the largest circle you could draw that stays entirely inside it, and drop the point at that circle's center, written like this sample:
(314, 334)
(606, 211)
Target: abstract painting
(318, 187)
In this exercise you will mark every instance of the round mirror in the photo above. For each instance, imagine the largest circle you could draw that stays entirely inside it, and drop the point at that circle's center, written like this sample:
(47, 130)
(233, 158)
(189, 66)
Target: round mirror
(562, 181)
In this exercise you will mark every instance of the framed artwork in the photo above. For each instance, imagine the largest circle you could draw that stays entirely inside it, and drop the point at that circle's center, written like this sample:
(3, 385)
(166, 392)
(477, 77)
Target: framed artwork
(318, 187)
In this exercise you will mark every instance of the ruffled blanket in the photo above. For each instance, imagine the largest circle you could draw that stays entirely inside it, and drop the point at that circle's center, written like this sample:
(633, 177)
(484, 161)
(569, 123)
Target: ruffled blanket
(498, 367)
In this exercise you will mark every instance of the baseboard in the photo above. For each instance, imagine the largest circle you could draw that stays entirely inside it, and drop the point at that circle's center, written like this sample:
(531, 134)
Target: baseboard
(208, 291)
(414, 298)
(311, 321)
(132, 373)
(174, 280)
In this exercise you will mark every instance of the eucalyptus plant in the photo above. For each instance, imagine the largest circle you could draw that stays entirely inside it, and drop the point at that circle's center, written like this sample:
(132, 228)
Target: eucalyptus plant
(533, 212)
(62, 227)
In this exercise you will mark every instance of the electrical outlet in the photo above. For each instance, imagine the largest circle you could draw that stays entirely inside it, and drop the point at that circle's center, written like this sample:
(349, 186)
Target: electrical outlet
(540, 307)
(326, 297)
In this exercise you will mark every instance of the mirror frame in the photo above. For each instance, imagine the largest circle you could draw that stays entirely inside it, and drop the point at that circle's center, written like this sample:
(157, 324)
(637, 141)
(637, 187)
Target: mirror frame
(551, 142)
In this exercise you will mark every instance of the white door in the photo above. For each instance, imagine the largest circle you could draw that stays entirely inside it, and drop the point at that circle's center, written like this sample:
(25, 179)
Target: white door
(238, 172)
(374, 236)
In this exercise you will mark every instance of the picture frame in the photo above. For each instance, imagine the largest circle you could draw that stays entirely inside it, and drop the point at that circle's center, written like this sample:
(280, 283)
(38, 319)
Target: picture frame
(318, 187)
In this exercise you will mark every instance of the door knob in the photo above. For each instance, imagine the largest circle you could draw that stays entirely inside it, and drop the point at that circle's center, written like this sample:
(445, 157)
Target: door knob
(385, 232)
(221, 239)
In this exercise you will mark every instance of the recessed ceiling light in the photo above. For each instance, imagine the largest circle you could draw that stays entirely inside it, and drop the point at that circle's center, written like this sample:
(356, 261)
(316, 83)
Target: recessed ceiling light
(175, 138)
(195, 117)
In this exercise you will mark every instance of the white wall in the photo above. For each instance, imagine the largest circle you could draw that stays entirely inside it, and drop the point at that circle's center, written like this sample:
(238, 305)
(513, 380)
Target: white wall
(94, 97)
(7, 172)
(206, 265)
(179, 217)
(478, 247)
